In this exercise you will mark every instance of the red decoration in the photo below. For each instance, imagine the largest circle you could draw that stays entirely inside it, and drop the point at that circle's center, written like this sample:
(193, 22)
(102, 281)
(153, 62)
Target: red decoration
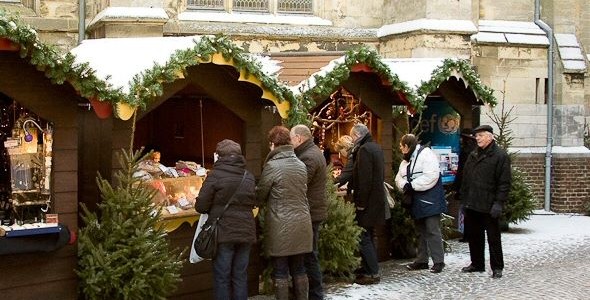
(102, 109)
(7, 45)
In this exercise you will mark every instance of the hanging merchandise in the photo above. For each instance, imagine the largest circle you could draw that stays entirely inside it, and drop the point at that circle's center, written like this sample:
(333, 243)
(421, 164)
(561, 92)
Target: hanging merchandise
(27, 153)
(337, 116)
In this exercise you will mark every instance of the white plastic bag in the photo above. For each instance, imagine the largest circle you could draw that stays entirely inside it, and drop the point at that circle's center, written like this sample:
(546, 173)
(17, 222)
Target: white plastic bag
(194, 258)
(388, 190)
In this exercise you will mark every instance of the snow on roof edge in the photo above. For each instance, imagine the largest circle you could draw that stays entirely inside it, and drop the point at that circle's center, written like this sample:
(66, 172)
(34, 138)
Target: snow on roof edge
(147, 13)
(466, 26)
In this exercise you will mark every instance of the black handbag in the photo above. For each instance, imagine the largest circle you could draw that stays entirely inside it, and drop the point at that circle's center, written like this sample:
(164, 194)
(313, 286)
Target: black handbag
(206, 242)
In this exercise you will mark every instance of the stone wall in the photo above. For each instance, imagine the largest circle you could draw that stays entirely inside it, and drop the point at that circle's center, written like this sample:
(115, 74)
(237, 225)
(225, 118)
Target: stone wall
(507, 10)
(426, 45)
(570, 188)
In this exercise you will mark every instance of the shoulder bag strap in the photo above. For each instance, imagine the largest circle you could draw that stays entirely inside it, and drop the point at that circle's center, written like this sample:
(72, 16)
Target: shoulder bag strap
(232, 196)
(410, 172)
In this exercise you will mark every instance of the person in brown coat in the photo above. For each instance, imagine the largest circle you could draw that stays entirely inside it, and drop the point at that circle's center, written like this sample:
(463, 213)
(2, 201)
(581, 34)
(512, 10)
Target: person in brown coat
(288, 233)
(314, 160)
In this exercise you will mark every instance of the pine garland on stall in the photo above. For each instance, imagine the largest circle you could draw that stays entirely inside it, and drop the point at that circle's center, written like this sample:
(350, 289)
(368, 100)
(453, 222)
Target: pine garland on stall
(122, 252)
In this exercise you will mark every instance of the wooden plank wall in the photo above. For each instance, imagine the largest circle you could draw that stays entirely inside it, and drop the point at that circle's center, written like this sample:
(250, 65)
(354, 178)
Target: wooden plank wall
(297, 68)
(45, 275)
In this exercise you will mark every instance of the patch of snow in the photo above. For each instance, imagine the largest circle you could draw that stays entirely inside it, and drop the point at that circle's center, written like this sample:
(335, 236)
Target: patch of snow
(427, 25)
(252, 18)
(147, 13)
(571, 65)
(527, 39)
(489, 37)
(566, 40)
(573, 53)
(510, 27)
(413, 71)
(122, 58)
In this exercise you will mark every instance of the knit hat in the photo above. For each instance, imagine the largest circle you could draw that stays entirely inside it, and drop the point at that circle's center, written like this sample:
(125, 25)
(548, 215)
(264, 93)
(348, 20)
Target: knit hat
(228, 147)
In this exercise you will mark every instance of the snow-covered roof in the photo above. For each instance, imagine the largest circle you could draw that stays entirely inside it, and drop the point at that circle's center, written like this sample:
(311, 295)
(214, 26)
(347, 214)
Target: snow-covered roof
(570, 53)
(117, 60)
(511, 32)
(462, 26)
(413, 71)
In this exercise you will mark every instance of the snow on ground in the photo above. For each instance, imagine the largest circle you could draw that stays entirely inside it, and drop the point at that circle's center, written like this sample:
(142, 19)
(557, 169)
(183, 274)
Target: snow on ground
(521, 242)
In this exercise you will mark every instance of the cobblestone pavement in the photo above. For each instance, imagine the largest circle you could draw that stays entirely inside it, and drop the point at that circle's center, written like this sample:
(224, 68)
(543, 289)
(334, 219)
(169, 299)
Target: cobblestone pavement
(552, 265)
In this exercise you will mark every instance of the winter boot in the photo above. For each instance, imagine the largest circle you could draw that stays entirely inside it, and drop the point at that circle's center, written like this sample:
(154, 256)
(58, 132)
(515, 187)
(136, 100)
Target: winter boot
(281, 289)
(301, 287)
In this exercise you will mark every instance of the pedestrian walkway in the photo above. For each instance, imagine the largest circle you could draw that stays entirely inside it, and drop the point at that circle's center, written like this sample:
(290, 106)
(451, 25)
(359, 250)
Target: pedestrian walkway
(547, 257)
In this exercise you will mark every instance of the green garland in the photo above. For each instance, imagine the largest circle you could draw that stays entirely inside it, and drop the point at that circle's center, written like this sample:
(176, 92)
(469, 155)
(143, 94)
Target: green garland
(149, 84)
(57, 68)
(327, 84)
(442, 74)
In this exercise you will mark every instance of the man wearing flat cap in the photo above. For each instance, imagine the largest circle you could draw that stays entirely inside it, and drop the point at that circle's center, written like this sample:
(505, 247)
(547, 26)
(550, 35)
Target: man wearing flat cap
(484, 191)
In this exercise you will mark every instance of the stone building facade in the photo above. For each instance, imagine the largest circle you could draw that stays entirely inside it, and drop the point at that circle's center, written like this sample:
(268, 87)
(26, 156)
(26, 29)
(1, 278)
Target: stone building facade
(500, 38)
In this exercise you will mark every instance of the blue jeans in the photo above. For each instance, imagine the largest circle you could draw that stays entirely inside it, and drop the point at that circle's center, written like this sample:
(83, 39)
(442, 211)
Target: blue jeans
(230, 271)
(369, 262)
(312, 266)
(285, 265)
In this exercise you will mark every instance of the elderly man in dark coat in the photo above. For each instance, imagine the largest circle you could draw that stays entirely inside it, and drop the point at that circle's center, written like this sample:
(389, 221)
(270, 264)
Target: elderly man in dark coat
(368, 196)
(484, 191)
(314, 161)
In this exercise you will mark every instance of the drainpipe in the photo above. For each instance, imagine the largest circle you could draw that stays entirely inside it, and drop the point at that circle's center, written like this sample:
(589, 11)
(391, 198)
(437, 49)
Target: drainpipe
(549, 33)
(81, 20)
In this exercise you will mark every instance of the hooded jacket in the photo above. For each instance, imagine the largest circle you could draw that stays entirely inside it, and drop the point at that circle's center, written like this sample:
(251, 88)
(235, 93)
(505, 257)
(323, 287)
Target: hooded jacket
(237, 223)
(282, 188)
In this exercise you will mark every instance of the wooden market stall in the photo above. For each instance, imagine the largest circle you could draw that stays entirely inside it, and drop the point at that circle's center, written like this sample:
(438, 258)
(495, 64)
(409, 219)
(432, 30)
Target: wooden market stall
(213, 97)
(39, 131)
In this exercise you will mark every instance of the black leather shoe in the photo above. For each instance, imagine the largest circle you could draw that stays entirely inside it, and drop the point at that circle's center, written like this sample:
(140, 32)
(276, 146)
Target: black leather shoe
(471, 269)
(497, 274)
(437, 268)
(417, 266)
(367, 279)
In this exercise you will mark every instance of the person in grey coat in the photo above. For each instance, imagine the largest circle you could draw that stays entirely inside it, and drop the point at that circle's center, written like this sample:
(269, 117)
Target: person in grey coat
(314, 160)
(288, 232)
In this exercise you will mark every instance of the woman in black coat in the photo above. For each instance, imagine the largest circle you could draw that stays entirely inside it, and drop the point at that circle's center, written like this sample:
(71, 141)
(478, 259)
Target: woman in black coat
(237, 229)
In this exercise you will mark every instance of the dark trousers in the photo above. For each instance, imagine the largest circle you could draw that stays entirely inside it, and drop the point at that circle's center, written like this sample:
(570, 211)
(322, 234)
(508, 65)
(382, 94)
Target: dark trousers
(476, 225)
(312, 266)
(230, 271)
(285, 265)
(369, 262)
(429, 240)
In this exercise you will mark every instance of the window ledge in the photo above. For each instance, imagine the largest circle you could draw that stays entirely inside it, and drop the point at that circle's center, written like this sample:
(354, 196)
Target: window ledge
(253, 18)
